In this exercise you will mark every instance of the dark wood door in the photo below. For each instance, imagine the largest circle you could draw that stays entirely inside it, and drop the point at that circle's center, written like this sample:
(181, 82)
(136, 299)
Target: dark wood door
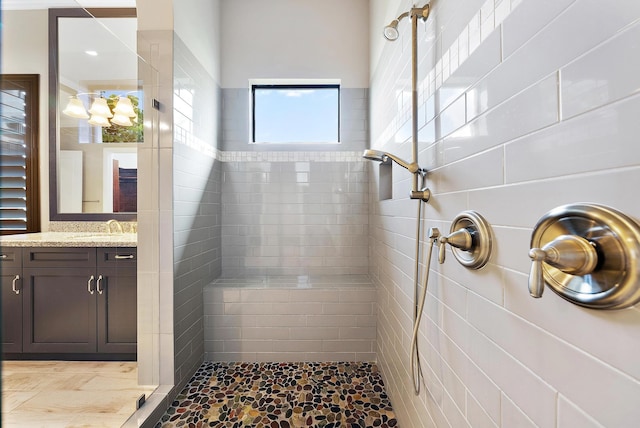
(59, 310)
(11, 284)
(128, 190)
(117, 310)
(125, 189)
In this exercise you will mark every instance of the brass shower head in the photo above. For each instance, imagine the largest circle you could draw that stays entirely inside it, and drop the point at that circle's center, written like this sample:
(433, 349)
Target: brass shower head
(391, 31)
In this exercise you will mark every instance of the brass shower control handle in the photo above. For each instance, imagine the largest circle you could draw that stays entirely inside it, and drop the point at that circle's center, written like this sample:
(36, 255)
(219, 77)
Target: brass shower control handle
(570, 254)
(588, 255)
(461, 239)
(470, 239)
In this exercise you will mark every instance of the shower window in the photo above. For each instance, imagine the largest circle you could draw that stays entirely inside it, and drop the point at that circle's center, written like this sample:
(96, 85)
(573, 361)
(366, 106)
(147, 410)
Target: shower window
(295, 113)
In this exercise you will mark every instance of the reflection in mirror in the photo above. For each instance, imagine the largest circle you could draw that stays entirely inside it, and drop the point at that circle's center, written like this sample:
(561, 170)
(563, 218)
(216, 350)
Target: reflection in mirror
(99, 114)
(19, 172)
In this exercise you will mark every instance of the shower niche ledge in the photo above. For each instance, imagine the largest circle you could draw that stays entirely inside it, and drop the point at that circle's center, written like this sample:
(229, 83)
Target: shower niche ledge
(385, 184)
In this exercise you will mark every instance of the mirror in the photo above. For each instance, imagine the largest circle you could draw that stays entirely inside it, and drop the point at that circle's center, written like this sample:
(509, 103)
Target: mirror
(97, 107)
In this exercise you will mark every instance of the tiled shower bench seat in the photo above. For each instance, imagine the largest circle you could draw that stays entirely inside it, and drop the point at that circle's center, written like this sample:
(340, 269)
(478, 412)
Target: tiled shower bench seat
(290, 318)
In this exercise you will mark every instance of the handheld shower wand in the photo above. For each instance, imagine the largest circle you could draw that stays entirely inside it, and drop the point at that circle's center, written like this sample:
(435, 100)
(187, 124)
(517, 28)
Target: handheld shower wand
(385, 158)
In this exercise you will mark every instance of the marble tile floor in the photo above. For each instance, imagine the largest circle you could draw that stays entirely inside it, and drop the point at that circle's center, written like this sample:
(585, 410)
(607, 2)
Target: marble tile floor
(282, 395)
(56, 394)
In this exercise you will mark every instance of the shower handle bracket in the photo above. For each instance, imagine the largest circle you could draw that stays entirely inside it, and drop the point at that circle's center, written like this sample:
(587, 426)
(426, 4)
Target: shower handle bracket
(420, 12)
(424, 194)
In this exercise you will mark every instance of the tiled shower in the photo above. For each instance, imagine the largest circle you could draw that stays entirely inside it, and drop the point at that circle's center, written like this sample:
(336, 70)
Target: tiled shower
(294, 284)
(523, 106)
(306, 215)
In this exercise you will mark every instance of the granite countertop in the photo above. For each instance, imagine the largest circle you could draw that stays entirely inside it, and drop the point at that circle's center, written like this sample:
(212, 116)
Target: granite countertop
(70, 239)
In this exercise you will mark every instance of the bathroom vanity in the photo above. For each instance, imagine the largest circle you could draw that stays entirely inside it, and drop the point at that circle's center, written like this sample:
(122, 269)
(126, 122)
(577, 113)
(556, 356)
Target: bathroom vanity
(69, 296)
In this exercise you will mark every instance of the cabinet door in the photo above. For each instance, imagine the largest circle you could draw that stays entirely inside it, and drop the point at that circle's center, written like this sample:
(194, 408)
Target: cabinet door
(59, 310)
(11, 283)
(117, 310)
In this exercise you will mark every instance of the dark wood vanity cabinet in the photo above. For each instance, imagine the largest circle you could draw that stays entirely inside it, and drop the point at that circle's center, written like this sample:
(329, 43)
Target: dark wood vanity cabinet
(79, 301)
(11, 283)
(61, 313)
(117, 304)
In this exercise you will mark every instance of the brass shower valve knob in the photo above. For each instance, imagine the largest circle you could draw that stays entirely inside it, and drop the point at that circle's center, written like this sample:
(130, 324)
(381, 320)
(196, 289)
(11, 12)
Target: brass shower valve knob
(571, 254)
(588, 255)
(470, 238)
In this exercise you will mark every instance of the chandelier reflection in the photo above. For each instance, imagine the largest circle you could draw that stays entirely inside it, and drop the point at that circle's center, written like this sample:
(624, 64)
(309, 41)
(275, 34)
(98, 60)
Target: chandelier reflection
(117, 110)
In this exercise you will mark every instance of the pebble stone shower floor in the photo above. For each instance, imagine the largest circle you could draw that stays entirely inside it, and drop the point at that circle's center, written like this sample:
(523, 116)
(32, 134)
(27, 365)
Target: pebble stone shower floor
(282, 395)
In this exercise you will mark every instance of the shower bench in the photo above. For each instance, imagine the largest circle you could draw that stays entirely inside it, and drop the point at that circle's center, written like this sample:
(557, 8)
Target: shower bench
(290, 318)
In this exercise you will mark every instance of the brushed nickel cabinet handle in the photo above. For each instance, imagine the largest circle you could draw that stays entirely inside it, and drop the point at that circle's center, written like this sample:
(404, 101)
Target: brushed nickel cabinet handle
(98, 284)
(3, 256)
(123, 256)
(13, 284)
(89, 285)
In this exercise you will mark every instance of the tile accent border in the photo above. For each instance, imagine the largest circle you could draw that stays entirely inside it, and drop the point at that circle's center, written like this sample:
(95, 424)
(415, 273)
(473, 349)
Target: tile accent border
(294, 156)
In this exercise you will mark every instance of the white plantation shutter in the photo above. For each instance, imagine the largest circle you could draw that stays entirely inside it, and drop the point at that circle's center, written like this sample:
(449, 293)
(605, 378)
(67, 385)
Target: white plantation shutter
(18, 151)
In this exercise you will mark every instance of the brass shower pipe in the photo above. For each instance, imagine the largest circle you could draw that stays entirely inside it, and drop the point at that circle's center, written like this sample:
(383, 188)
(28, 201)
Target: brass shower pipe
(422, 195)
(391, 34)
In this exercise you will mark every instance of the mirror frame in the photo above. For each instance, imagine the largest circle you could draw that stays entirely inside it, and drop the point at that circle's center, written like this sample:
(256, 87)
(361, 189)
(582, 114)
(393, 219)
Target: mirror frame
(54, 14)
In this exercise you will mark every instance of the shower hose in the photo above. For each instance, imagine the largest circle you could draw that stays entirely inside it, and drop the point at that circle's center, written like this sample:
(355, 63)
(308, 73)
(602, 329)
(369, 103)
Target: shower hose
(416, 369)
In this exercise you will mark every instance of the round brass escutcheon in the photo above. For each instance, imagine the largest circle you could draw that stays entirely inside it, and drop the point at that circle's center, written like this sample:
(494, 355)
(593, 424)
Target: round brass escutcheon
(482, 239)
(614, 282)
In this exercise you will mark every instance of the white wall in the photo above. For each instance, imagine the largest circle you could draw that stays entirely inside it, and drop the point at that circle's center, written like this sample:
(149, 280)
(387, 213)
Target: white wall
(155, 15)
(290, 39)
(27, 31)
(155, 198)
(196, 175)
(295, 214)
(295, 39)
(197, 22)
(179, 188)
(524, 106)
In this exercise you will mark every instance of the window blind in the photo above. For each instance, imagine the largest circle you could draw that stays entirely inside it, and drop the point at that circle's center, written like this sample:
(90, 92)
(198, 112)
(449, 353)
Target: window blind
(17, 145)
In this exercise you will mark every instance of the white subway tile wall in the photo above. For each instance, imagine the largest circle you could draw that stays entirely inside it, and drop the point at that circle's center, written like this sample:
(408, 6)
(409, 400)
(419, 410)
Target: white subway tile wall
(296, 210)
(294, 213)
(196, 204)
(155, 228)
(307, 318)
(523, 106)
